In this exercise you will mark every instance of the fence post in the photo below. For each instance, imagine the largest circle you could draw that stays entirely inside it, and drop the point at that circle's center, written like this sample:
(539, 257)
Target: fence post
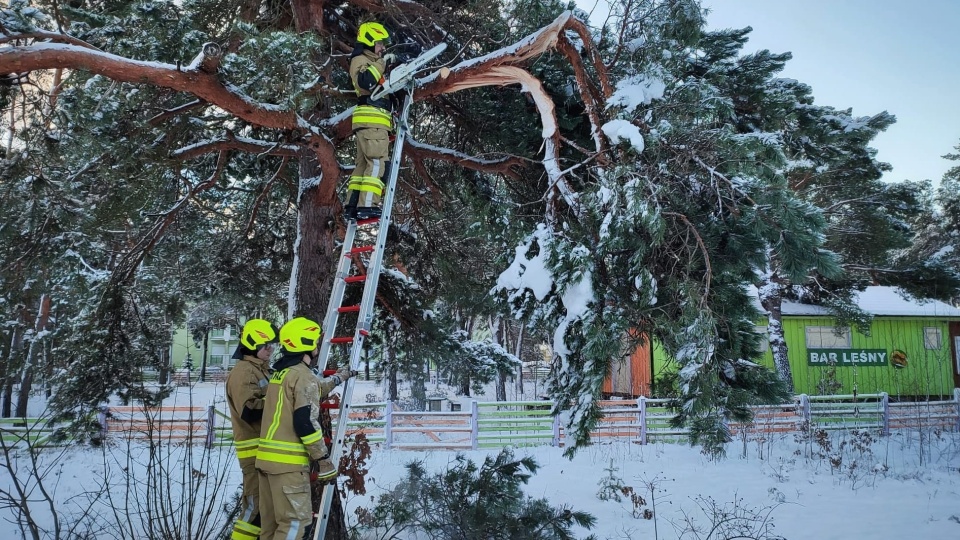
(642, 406)
(885, 421)
(956, 397)
(211, 426)
(474, 424)
(388, 424)
(805, 411)
(556, 430)
(102, 419)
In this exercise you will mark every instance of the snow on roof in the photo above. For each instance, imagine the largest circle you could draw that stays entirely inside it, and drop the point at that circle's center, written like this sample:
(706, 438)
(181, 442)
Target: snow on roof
(887, 301)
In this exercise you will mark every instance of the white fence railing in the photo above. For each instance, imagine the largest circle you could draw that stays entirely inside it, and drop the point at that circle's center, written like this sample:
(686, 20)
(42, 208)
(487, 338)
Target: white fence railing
(529, 423)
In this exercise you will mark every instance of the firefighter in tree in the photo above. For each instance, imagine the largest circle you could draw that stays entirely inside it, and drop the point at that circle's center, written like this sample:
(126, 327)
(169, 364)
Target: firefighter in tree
(246, 388)
(372, 122)
(291, 440)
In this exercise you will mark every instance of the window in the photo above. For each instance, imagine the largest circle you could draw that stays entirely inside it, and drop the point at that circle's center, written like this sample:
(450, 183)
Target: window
(218, 360)
(826, 337)
(764, 338)
(931, 338)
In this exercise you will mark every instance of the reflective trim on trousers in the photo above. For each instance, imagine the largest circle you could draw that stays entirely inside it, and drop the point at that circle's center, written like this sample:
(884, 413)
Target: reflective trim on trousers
(366, 183)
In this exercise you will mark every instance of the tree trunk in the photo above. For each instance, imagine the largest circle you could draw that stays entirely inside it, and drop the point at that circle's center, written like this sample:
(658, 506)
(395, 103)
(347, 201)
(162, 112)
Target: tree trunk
(516, 353)
(418, 390)
(206, 354)
(315, 258)
(26, 386)
(391, 378)
(7, 398)
(497, 335)
(26, 382)
(163, 373)
(771, 298)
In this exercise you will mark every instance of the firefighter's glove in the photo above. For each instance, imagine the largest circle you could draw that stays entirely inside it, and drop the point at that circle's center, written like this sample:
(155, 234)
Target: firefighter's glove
(322, 470)
(391, 59)
(345, 373)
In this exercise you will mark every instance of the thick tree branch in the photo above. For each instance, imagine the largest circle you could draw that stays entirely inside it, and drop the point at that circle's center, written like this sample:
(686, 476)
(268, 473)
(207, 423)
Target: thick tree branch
(243, 144)
(193, 80)
(587, 93)
(49, 36)
(508, 166)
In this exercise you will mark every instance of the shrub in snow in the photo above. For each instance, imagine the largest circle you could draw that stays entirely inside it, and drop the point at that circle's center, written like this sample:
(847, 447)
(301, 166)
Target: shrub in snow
(470, 502)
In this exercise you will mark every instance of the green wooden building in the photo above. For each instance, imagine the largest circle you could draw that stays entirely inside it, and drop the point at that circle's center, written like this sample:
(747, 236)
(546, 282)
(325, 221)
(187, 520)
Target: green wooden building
(911, 351)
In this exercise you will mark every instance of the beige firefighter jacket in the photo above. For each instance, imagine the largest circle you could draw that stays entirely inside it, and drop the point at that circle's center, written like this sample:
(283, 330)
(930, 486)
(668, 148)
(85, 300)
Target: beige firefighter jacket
(369, 114)
(290, 435)
(246, 388)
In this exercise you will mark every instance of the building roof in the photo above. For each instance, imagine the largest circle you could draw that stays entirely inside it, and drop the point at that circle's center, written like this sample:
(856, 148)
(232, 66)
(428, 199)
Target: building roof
(889, 301)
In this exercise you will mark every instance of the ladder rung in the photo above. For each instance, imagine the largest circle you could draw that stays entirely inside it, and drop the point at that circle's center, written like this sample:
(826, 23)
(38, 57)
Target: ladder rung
(368, 221)
(345, 339)
(349, 309)
(355, 279)
(361, 249)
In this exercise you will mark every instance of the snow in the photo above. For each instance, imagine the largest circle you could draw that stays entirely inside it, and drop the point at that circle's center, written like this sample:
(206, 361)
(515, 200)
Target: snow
(876, 300)
(576, 299)
(637, 90)
(623, 130)
(882, 492)
(509, 51)
(528, 272)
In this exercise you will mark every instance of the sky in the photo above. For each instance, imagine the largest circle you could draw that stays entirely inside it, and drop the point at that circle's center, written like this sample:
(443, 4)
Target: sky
(869, 55)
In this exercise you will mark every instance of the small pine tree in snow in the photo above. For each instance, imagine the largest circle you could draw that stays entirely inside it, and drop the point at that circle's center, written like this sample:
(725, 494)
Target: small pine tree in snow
(472, 502)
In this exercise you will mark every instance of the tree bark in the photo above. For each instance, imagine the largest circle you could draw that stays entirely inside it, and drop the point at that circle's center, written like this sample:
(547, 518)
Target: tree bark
(26, 382)
(315, 258)
(497, 336)
(206, 354)
(771, 298)
(519, 349)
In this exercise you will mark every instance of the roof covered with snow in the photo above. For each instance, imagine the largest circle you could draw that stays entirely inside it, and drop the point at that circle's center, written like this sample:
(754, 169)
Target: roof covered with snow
(888, 301)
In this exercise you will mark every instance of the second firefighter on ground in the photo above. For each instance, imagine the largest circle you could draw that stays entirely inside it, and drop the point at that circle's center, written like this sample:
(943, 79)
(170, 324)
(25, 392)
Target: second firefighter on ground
(291, 439)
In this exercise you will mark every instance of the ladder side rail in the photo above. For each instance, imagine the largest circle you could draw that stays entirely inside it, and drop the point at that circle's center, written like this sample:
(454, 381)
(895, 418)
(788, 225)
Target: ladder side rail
(336, 296)
(365, 317)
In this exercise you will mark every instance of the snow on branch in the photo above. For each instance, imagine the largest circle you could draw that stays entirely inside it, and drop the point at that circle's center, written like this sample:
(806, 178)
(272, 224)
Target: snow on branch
(193, 80)
(507, 165)
(243, 144)
(505, 67)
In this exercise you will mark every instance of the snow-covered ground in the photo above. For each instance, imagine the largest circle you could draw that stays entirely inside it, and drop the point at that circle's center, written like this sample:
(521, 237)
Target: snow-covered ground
(861, 487)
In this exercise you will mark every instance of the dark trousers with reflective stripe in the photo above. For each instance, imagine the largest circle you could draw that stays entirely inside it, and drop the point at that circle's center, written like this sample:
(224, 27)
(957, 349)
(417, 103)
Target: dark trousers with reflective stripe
(285, 507)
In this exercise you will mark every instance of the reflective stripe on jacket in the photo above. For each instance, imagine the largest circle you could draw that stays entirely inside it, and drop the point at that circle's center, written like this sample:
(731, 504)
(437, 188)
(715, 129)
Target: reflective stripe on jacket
(246, 387)
(293, 391)
(369, 114)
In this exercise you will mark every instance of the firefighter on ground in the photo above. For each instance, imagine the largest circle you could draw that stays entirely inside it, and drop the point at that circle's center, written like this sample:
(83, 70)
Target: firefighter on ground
(291, 440)
(372, 122)
(246, 388)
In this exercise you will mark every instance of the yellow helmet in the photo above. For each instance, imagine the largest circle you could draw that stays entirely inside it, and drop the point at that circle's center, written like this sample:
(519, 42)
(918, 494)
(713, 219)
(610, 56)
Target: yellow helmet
(300, 335)
(257, 332)
(372, 32)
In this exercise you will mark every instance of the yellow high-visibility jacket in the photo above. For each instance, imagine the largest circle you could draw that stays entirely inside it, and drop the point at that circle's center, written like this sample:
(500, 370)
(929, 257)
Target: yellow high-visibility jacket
(366, 71)
(290, 435)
